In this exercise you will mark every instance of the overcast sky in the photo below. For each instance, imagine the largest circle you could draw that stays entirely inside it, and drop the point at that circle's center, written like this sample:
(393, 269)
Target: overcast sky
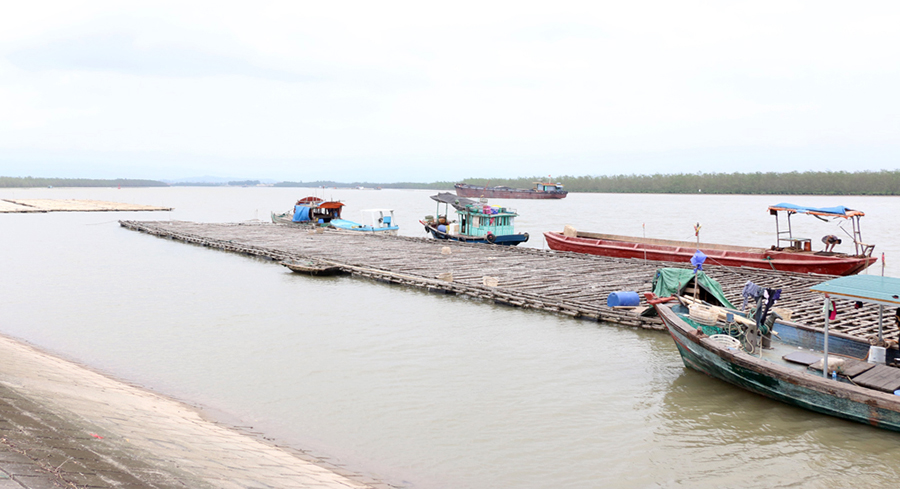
(422, 91)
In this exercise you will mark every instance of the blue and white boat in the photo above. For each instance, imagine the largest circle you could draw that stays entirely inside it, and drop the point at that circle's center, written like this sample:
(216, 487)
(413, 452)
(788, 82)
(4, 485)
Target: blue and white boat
(379, 221)
(477, 222)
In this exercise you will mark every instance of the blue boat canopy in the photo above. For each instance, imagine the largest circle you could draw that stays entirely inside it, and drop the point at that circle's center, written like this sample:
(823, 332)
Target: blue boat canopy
(839, 211)
(865, 288)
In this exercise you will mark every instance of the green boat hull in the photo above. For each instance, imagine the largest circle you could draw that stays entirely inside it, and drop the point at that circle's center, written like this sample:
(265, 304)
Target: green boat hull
(797, 388)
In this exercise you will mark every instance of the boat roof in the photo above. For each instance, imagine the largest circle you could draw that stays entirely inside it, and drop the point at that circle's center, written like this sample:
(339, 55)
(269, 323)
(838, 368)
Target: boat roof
(309, 200)
(839, 211)
(456, 201)
(331, 205)
(865, 288)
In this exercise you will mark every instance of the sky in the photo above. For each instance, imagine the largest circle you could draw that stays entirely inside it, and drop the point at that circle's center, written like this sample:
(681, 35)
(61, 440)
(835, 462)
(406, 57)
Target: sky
(428, 91)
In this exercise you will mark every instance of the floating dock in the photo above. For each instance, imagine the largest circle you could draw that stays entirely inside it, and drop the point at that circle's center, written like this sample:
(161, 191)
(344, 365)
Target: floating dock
(71, 205)
(567, 283)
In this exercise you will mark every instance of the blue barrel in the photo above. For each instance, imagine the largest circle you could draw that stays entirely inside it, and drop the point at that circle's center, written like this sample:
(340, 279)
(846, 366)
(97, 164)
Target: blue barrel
(623, 298)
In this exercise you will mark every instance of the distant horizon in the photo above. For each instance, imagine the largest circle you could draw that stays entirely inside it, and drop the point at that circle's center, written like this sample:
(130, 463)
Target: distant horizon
(788, 183)
(211, 179)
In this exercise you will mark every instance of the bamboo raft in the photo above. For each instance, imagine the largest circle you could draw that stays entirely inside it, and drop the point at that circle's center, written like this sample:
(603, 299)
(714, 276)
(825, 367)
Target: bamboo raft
(71, 205)
(567, 283)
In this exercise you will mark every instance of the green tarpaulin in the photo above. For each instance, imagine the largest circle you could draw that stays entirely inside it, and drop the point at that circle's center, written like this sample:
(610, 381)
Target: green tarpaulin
(670, 281)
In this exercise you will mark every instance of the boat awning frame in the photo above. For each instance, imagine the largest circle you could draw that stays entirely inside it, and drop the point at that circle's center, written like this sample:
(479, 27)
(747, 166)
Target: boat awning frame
(452, 199)
(866, 288)
(787, 236)
(874, 289)
(838, 211)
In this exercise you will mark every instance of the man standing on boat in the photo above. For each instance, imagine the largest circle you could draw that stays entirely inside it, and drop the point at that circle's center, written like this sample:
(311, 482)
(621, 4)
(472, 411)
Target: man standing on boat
(830, 240)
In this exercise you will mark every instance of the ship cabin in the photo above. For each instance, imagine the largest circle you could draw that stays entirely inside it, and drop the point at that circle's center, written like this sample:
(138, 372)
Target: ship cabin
(316, 210)
(474, 218)
(548, 187)
(481, 220)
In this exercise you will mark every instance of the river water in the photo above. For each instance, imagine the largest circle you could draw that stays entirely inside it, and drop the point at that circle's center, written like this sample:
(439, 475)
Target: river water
(420, 390)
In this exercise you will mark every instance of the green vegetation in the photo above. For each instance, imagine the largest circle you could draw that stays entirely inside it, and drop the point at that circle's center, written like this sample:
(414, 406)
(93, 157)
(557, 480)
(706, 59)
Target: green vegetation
(31, 182)
(807, 183)
(885, 182)
(244, 183)
(410, 185)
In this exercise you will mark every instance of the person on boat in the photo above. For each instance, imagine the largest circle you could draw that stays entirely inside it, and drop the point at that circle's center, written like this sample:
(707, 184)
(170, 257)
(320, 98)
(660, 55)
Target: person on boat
(830, 241)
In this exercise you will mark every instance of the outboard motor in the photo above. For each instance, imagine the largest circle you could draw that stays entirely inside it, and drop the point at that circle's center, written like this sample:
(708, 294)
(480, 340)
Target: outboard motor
(767, 330)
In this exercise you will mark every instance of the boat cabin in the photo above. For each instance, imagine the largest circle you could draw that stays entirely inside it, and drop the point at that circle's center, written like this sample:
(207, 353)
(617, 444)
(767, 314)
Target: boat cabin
(784, 233)
(314, 209)
(378, 218)
(548, 187)
(474, 218)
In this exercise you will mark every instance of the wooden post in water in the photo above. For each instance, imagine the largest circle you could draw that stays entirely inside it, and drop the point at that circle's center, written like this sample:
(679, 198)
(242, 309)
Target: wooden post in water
(825, 350)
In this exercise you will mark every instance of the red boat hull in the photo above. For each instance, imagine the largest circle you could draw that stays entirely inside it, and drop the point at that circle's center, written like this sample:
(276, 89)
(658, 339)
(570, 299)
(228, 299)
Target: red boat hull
(786, 261)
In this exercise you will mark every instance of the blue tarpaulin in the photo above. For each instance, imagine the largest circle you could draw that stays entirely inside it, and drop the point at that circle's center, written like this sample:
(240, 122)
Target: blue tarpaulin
(301, 213)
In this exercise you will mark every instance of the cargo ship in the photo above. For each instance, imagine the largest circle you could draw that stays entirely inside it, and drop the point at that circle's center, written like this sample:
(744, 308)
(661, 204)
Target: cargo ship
(541, 190)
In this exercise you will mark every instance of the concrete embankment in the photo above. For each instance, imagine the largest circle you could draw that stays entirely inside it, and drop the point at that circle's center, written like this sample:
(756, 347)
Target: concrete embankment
(63, 425)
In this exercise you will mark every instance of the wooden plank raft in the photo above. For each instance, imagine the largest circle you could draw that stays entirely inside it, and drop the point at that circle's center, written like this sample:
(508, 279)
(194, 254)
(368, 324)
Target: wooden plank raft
(72, 205)
(568, 283)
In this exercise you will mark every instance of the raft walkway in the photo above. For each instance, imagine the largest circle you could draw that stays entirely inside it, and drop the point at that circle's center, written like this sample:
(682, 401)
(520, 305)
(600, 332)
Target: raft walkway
(567, 283)
(71, 205)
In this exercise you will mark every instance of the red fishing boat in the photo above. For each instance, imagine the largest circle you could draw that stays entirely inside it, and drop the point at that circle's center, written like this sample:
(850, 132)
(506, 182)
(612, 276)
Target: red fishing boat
(310, 210)
(790, 254)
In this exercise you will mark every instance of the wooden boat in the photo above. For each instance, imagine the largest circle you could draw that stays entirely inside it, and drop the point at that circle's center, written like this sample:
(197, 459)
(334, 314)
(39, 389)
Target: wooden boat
(313, 267)
(478, 222)
(803, 366)
(310, 211)
(790, 254)
(541, 190)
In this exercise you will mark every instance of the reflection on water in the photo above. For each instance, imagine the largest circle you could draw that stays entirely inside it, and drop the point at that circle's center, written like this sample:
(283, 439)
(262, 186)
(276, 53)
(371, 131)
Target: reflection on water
(420, 389)
(735, 438)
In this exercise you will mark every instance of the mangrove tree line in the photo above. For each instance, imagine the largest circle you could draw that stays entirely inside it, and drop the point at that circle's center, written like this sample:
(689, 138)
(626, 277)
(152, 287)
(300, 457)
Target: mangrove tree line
(885, 182)
(31, 182)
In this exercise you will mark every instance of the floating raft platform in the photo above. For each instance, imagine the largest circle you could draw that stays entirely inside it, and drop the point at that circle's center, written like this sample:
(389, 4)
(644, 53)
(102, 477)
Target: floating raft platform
(567, 283)
(71, 205)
